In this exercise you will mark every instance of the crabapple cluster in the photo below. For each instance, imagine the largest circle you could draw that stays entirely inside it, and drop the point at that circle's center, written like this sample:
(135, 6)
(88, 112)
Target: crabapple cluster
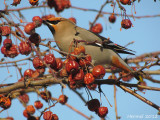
(59, 5)
(94, 106)
(32, 2)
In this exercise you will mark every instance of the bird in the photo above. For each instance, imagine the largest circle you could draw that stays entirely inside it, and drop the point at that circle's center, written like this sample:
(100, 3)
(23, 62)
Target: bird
(102, 50)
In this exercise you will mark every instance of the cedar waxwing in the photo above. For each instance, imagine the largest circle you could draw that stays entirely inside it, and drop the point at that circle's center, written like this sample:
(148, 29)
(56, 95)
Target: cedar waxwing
(102, 50)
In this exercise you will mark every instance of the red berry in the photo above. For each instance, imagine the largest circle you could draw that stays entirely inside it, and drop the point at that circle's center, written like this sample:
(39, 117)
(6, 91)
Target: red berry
(46, 17)
(92, 86)
(62, 99)
(73, 57)
(127, 78)
(88, 78)
(37, 63)
(112, 18)
(7, 43)
(72, 66)
(35, 38)
(143, 84)
(12, 52)
(72, 19)
(38, 104)
(16, 2)
(32, 118)
(26, 114)
(51, 3)
(5, 30)
(33, 2)
(79, 76)
(112, 77)
(37, 21)
(45, 95)
(98, 71)
(4, 50)
(40, 71)
(24, 98)
(28, 73)
(57, 4)
(93, 104)
(25, 48)
(126, 23)
(72, 83)
(66, 60)
(124, 2)
(59, 64)
(5, 102)
(30, 109)
(102, 111)
(79, 50)
(55, 117)
(66, 3)
(97, 28)
(85, 62)
(48, 115)
(30, 28)
(63, 73)
(49, 59)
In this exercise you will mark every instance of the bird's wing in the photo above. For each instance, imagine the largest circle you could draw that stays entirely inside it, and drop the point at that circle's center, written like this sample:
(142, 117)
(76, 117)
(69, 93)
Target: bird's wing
(98, 40)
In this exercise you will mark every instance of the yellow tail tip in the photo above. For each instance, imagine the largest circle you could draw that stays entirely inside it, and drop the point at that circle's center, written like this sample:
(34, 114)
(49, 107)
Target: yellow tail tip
(140, 78)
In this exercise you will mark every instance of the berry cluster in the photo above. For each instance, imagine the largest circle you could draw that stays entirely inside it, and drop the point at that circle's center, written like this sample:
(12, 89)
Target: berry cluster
(48, 115)
(94, 105)
(59, 5)
(76, 69)
(73, 68)
(30, 109)
(11, 50)
(32, 2)
(8, 48)
(30, 27)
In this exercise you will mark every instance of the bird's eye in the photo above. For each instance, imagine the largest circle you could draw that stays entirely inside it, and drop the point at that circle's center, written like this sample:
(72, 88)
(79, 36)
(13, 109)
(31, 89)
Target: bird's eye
(54, 22)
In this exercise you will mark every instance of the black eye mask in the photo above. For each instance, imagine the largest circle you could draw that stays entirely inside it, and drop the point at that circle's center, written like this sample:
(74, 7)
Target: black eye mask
(53, 22)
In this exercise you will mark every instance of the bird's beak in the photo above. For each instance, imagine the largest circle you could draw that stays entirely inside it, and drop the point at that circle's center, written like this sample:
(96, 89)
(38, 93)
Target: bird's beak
(44, 22)
(50, 26)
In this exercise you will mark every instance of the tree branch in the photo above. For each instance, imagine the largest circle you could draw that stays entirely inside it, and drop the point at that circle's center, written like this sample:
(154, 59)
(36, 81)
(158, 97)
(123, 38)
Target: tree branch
(140, 97)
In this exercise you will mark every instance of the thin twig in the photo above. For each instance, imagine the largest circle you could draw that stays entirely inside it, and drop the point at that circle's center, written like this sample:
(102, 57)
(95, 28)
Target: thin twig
(99, 14)
(115, 102)
(140, 97)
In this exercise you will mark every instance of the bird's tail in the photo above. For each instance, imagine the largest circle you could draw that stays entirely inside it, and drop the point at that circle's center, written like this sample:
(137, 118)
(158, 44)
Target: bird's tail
(118, 62)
